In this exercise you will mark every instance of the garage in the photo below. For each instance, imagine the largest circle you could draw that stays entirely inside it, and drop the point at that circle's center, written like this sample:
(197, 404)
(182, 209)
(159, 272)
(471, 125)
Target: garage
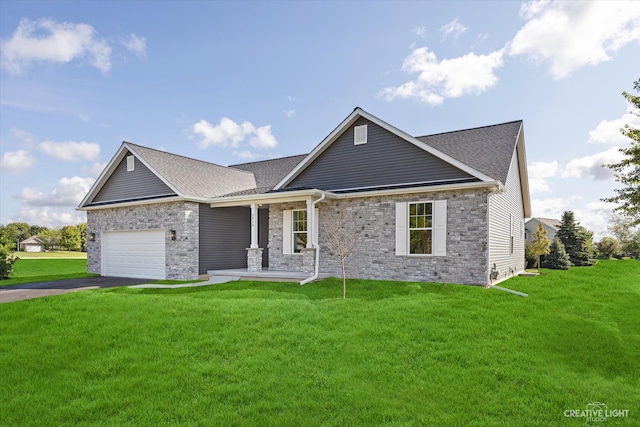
(134, 253)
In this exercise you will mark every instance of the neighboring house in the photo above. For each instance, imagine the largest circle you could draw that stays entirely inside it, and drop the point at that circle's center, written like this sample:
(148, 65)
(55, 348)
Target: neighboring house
(530, 226)
(443, 208)
(32, 244)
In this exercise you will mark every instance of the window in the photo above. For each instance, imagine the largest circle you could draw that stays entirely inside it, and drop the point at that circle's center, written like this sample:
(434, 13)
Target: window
(420, 228)
(360, 135)
(299, 228)
(131, 163)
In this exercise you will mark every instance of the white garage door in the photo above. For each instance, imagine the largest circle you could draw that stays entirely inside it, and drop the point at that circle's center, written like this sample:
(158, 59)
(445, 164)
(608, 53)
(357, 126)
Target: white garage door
(133, 253)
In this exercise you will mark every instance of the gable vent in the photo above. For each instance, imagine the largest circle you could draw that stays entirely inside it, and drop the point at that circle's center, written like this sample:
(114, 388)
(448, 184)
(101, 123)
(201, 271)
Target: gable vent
(360, 135)
(131, 163)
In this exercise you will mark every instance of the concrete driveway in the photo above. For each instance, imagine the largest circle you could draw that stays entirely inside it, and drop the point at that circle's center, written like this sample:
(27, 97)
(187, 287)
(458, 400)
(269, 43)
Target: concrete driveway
(43, 289)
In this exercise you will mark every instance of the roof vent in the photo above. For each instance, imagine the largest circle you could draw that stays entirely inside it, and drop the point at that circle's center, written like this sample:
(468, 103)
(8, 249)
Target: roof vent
(360, 135)
(131, 163)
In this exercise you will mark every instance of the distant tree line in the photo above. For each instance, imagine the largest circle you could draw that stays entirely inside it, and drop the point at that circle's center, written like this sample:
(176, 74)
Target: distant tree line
(573, 244)
(68, 237)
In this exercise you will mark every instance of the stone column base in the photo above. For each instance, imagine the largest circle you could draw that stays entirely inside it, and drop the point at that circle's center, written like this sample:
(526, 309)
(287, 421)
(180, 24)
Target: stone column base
(254, 260)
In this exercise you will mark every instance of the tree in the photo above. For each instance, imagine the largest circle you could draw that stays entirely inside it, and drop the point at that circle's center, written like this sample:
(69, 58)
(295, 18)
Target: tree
(6, 261)
(51, 238)
(13, 233)
(558, 259)
(608, 246)
(82, 230)
(628, 169)
(341, 244)
(577, 240)
(70, 238)
(540, 243)
(622, 230)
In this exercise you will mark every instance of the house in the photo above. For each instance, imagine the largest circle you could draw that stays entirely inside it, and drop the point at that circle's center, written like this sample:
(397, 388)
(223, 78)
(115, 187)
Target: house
(530, 226)
(448, 207)
(32, 244)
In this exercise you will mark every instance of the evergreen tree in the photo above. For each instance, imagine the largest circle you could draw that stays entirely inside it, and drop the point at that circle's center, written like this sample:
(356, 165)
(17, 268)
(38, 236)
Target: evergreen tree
(558, 259)
(577, 240)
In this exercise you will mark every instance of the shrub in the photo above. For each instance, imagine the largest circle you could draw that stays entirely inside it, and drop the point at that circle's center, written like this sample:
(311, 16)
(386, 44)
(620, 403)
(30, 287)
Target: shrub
(6, 261)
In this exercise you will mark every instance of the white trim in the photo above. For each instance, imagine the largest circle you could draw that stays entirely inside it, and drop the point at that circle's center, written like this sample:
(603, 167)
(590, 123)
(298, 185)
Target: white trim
(141, 202)
(439, 228)
(358, 112)
(401, 228)
(287, 231)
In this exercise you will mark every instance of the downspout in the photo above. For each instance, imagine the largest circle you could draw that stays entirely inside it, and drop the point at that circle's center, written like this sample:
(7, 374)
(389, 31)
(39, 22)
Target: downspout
(315, 244)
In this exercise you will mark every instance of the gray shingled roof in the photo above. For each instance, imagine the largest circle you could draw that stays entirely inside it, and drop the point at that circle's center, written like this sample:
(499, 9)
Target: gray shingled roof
(488, 149)
(270, 172)
(194, 178)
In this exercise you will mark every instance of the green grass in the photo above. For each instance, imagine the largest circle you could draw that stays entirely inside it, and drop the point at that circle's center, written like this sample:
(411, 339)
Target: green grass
(277, 354)
(44, 270)
(52, 254)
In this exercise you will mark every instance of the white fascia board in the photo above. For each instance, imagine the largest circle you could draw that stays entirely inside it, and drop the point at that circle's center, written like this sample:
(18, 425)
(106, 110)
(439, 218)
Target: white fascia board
(137, 203)
(289, 196)
(524, 175)
(155, 172)
(359, 112)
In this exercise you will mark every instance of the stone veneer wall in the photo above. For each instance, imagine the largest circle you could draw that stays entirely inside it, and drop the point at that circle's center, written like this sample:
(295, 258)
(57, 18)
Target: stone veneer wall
(373, 220)
(181, 254)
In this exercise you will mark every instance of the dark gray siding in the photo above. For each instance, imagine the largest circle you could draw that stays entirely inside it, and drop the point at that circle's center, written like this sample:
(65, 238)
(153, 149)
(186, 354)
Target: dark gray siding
(139, 183)
(385, 159)
(225, 235)
(263, 235)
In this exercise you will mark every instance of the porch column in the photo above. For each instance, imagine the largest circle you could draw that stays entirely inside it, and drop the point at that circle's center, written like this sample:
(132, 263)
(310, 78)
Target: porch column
(310, 220)
(254, 226)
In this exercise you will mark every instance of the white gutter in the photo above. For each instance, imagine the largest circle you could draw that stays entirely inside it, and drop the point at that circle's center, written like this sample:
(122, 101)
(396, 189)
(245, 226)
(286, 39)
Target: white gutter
(511, 291)
(314, 244)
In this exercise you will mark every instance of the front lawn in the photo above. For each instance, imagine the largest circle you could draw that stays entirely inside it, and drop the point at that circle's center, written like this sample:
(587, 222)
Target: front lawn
(45, 270)
(274, 354)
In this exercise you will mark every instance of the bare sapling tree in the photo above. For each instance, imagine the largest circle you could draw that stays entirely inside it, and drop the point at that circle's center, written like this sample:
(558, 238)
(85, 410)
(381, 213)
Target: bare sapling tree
(341, 244)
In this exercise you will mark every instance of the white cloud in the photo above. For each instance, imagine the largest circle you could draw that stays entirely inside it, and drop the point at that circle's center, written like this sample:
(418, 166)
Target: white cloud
(289, 113)
(420, 32)
(608, 131)
(68, 192)
(263, 138)
(549, 208)
(16, 162)
(592, 165)
(71, 151)
(595, 217)
(538, 174)
(292, 98)
(449, 78)
(46, 40)
(568, 35)
(247, 155)
(50, 216)
(228, 133)
(136, 45)
(453, 28)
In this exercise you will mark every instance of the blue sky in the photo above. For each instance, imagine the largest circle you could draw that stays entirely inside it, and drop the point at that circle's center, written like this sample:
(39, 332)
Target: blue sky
(235, 82)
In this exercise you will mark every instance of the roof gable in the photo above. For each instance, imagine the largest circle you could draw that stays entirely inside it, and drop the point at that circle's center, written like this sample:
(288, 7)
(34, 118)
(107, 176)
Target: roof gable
(385, 160)
(349, 122)
(186, 177)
